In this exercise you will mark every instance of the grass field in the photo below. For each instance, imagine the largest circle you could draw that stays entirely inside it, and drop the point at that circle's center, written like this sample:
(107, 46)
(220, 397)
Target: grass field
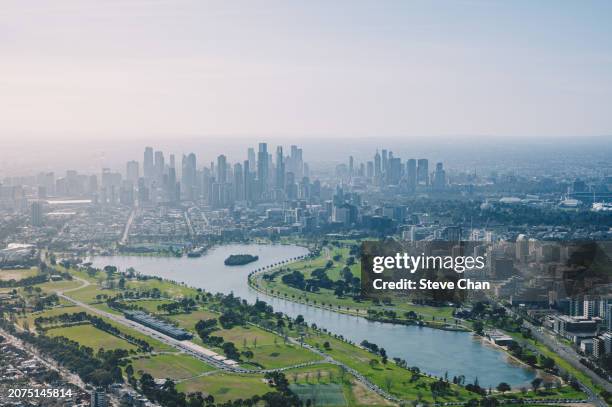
(92, 337)
(226, 387)
(269, 350)
(170, 366)
(7, 275)
(320, 394)
(188, 321)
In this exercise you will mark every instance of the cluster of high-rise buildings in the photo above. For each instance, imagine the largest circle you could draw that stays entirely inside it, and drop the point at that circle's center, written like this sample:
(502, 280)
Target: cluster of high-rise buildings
(388, 170)
(262, 177)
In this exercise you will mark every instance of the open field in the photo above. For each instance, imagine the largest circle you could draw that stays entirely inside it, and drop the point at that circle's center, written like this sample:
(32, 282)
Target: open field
(7, 275)
(30, 317)
(176, 366)
(224, 386)
(92, 337)
(188, 321)
(269, 350)
(148, 305)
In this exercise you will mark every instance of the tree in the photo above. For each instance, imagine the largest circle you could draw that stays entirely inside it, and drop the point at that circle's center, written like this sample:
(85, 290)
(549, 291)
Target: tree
(503, 387)
(536, 383)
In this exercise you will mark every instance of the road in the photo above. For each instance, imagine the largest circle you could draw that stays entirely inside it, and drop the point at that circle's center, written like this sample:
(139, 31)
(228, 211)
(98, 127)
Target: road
(128, 225)
(569, 355)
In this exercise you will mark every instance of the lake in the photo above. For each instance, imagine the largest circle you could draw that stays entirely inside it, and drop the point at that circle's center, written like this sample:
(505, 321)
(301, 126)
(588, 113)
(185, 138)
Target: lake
(432, 350)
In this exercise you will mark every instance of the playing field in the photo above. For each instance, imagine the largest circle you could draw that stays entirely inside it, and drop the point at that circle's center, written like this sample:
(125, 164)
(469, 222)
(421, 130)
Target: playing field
(226, 387)
(92, 337)
(7, 275)
(320, 394)
(171, 366)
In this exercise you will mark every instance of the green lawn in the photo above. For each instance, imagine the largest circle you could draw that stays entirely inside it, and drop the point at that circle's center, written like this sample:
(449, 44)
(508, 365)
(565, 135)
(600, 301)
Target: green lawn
(269, 350)
(176, 366)
(188, 321)
(225, 386)
(92, 337)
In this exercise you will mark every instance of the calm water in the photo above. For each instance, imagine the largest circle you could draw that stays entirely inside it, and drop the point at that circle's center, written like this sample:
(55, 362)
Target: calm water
(432, 350)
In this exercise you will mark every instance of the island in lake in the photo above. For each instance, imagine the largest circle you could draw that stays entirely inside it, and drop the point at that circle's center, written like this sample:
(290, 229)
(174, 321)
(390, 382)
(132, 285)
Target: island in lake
(240, 259)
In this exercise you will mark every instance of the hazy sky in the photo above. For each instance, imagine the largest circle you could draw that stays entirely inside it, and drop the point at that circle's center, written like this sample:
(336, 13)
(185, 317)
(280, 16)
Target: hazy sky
(121, 69)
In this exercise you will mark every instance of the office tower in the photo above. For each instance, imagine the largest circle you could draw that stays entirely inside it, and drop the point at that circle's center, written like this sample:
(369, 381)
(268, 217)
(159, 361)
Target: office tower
(238, 182)
(252, 159)
(297, 163)
(439, 178)
(147, 164)
(394, 171)
(248, 181)
(351, 166)
(37, 213)
(306, 170)
(172, 188)
(172, 161)
(291, 189)
(377, 165)
(221, 169)
(411, 173)
(385, 161)
(423, 171)
(370, 169)
(159, 165)
(262, 168)
(132, 172)
(188, 176)
(280, 169)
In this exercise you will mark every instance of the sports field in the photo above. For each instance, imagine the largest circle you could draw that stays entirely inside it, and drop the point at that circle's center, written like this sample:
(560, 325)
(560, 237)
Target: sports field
(320, 394)
(91, 337)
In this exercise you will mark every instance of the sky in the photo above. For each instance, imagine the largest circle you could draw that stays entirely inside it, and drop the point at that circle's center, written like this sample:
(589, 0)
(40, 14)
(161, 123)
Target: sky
(117, 70)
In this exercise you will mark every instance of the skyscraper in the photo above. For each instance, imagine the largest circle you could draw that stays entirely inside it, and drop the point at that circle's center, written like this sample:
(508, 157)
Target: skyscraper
(238, 182)
(188, 176)
(148, 163)
(377, 165)
(262, 168)
(423, 171)
(132, 172)
(159, 165)
(222, 169)
(280, 168)
(37, 213)
(252, 159)
(439, 178)
(411, 173)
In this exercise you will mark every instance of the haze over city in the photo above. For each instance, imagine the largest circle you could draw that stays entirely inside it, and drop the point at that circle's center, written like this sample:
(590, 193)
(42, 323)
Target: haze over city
(77, 70)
